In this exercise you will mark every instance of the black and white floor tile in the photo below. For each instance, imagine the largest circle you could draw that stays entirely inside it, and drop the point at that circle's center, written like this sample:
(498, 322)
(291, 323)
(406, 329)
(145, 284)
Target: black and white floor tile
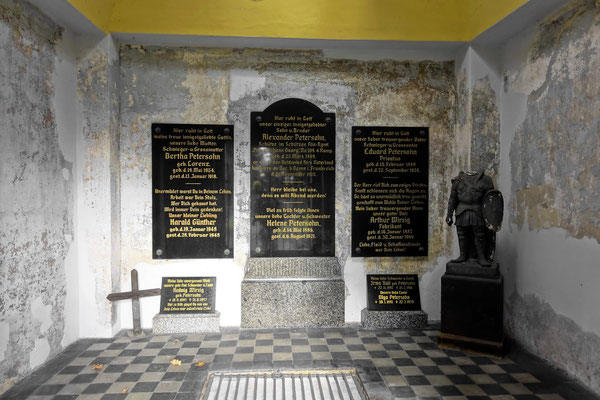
(390, 363)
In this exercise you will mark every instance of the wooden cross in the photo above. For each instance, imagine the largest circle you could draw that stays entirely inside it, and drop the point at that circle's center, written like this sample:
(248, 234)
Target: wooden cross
(134, 295)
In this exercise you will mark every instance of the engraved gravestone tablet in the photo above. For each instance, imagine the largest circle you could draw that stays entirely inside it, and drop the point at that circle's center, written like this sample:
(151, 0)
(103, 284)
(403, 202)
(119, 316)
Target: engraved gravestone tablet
(393, 293)
(390, 170)
(192, 191)
(188, 295)
(292, 181)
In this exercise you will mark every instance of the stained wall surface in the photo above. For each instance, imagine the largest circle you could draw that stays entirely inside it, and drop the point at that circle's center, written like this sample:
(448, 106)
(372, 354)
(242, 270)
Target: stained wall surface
(98, 212)
(37, 192)
(550, 175)
(75, 145)
(223, 86)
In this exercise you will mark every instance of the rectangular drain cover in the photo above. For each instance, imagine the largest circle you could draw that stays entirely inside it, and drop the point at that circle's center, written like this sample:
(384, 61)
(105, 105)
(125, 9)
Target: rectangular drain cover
(282, 385)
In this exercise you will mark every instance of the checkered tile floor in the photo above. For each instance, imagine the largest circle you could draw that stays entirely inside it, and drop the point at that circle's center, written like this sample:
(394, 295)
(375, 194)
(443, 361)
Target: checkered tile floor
(391, 364)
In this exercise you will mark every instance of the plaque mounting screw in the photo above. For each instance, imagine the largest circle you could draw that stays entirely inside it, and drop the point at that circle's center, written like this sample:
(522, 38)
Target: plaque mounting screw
(421, 248)
(226, 130)
(422, 133)
(358, 131)
(259, 118)
(159, 252)
(226, 252)
(357, 250)
(157, 129)
(257, 249)
(327, 119)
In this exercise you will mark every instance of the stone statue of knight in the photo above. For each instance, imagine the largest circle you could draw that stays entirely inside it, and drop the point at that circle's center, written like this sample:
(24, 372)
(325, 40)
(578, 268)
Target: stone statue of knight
(478, 208)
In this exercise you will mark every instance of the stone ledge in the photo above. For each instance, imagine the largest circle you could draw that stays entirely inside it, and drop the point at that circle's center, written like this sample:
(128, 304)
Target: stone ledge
(393, 319)
(186, 323)
(293, 267)
(473, 269)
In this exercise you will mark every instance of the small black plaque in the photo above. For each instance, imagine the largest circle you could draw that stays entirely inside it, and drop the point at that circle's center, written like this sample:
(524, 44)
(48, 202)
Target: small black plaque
(390, 191)
(192, 191)
(187, 295)
(293, 181)
(393, 293)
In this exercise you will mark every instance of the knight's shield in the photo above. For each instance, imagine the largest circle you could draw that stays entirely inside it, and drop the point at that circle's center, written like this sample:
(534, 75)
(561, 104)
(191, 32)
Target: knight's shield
(493, 210)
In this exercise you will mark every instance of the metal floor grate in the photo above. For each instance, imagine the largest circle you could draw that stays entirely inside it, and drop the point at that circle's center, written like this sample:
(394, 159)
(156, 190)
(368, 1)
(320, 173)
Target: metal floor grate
(284, 385)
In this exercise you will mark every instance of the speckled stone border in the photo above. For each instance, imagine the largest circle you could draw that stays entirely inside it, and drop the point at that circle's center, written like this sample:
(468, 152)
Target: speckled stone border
(393, 319)
(288, 267)
(185, 323)
(293, 303)
(295, 292)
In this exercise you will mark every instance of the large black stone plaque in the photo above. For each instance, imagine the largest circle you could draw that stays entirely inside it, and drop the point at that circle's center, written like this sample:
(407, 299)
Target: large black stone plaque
(192, 191)
(187, 295)
(393, 293)
(390, 191)
(293, 181)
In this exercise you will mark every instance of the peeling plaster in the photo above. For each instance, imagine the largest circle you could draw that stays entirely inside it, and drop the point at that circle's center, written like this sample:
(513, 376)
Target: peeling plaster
(41, 313)
(555, 151)
(485, 138)
(464, 121)
(550, 147)
(4, 332)
(560, 339)
(549, 163)
(39, 354)
(225, 85)
(99, 213)
(245, 82)
(208, 91)
(36, 203)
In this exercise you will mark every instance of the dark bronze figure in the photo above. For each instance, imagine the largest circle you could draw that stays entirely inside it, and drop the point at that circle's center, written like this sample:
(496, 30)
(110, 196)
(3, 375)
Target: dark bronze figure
(476, 233)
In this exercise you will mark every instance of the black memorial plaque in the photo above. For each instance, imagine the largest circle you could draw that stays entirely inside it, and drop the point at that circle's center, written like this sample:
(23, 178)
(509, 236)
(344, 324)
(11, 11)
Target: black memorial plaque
(293, 181)
(187, 295)
(393, 293)
(390, 191)
(192, 191)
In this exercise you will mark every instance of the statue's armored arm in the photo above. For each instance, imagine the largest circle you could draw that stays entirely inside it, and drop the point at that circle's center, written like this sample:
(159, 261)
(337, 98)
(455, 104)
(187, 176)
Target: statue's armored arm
(452, 202)
(487, 183)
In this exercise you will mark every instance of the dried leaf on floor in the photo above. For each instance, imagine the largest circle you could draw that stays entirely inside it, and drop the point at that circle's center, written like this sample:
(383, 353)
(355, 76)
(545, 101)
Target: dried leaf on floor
(175, 362)
(97, 367)
(200, 364)
(124, 390)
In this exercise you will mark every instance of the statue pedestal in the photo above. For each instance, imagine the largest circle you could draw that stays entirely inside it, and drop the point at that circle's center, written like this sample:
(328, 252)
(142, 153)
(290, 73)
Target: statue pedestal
(292, 293)
(185, 323)
(472, 309)
(393, 319)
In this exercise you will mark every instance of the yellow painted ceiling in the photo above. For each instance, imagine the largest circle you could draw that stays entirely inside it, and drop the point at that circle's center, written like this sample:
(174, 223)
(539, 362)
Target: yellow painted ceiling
(406, 20)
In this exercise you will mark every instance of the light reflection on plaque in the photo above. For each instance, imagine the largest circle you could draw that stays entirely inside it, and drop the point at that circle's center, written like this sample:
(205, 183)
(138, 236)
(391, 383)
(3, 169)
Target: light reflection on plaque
(292, 181)
(390, 191)
(181, 295)
(393, 292)
(192, 191)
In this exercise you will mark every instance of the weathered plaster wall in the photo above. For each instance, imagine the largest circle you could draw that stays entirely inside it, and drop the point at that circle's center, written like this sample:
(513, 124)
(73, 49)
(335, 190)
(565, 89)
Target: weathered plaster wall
(485, 128)
(478, 113)
(37, 193)
(98, 179)
(224, 86)
(464, 121)
(75, 157)
(550, 175)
